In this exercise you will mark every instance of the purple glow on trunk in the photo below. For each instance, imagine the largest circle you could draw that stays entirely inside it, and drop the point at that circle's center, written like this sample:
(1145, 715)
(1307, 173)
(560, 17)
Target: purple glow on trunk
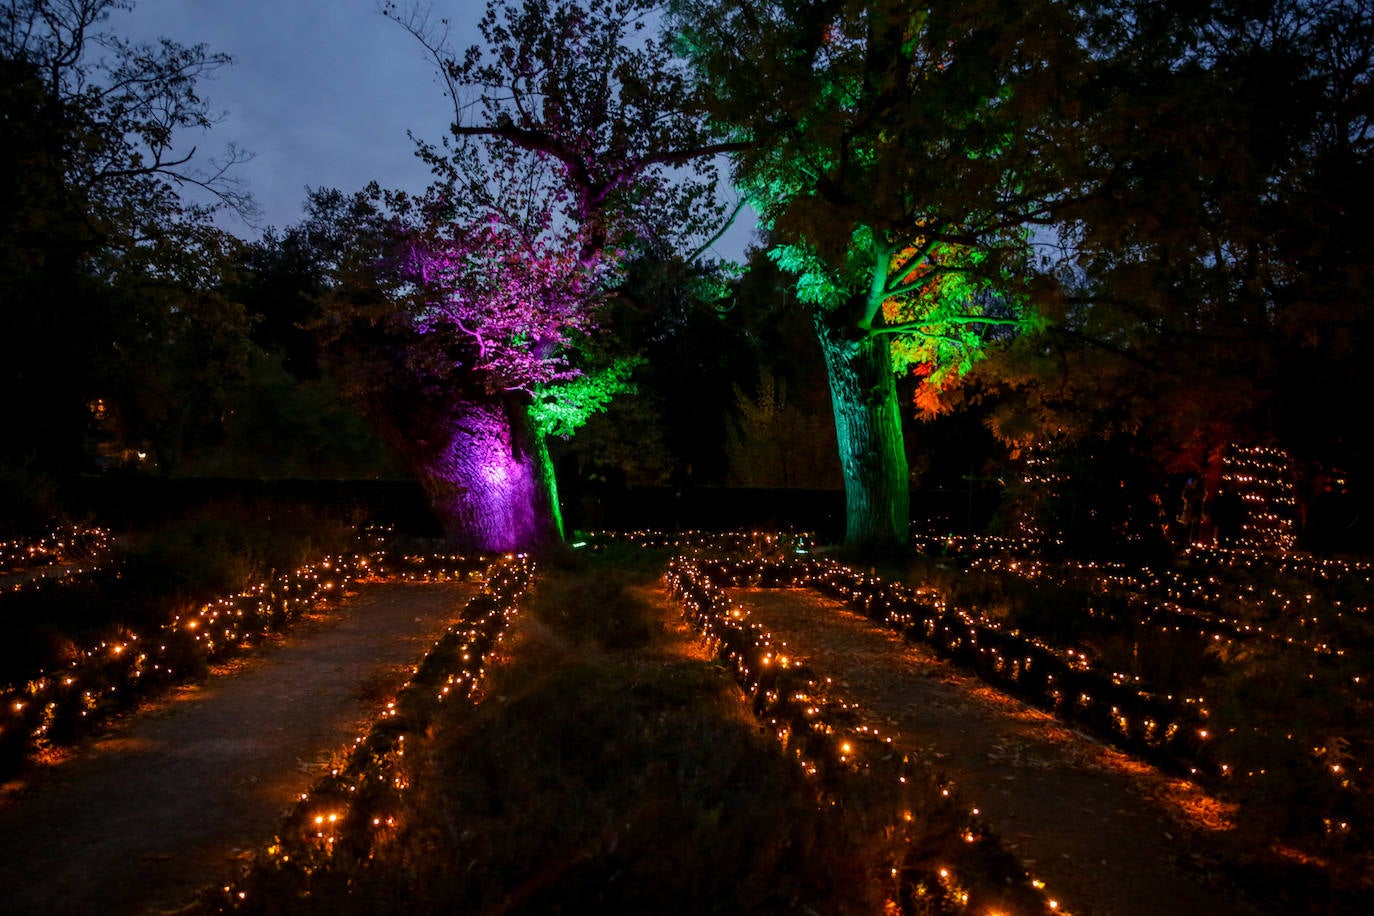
(485, 482)
(482, 465)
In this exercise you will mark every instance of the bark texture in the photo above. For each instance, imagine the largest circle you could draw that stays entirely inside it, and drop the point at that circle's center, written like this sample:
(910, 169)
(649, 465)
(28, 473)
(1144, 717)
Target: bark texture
(868, 427)
(481, 462)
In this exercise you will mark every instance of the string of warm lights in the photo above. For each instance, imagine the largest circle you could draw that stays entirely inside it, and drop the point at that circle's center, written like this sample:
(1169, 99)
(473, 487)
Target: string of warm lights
(1277, 614)
(1263, 479)
(1173, 732)
(1155, 601)
(68, 543)
(59, 706)
(1284, 616)
(748, 543)
(1292, 563)
(1041, 474)
(1289, 564)
(1170, 730)
(975, 545)
(43, 578)
(345, 816)
(830, 742)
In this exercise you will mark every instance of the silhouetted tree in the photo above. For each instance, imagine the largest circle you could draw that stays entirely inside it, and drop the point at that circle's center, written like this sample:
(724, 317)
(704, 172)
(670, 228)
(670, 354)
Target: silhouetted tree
(100, 258)
(1214, 288)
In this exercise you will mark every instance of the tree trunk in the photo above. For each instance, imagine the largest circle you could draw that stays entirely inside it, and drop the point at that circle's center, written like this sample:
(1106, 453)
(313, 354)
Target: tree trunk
(482, 463)
(868, 426)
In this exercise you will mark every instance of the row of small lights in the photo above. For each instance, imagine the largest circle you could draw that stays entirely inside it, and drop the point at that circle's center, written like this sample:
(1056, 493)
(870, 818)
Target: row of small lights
(1191, 751)
(1201, 587)
(830, 743)
(1345, 778)
(1165, 590)
(1166, 614)
(1295, 564)
(357, 806)
(1291, 563)
(1152, 595)
(1263, 477)
(1332, 810)
(61, 545)
(1170, 729)
(732, 542)
(50, 577)
(61, 705)
(1162, 591)
(1172, 732)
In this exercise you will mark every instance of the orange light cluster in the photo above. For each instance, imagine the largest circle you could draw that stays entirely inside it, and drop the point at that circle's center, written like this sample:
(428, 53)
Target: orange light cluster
(59, 706)
(832, 744)
(68, 543)
(356, 806)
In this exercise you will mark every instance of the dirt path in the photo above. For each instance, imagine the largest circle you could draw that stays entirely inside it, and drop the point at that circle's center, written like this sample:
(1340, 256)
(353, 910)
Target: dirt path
(1082, 818)
(140, 820)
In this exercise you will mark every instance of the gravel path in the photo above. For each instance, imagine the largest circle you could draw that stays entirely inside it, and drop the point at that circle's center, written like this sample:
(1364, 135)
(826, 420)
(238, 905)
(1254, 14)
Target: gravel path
(1083, 818)
(138, 821)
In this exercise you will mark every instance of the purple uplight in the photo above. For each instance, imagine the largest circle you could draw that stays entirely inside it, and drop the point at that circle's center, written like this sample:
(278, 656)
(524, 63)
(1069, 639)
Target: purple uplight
(486, 477)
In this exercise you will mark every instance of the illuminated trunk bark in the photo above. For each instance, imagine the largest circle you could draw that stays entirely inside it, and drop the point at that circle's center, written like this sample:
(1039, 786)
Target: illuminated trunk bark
(868, 426)
(482, 463)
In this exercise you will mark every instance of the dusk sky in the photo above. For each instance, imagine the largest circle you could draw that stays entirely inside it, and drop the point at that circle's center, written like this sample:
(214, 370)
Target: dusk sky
(321, 92)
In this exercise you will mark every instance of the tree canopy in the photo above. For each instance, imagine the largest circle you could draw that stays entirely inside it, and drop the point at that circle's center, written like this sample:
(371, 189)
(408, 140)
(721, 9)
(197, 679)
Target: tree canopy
(588, 88)
(1214, 286)
(897, 156)
(899, 159)
(98, 249)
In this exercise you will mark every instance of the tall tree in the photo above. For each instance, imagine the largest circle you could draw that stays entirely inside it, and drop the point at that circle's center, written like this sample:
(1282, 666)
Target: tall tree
(899, 156)
(1215, 287)
(89, 201)
(575, 144)
(459, 337)
(590, 88)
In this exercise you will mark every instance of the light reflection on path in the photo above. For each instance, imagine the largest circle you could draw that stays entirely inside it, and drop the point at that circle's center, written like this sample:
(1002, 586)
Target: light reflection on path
(1062, 802)
(140, 820)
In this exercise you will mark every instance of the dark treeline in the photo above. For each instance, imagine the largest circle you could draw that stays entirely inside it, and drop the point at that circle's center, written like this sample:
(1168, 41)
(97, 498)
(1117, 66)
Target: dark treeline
(1137, 237)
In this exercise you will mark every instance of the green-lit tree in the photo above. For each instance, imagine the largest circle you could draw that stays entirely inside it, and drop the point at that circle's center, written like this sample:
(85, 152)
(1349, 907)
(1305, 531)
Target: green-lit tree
(899, 156)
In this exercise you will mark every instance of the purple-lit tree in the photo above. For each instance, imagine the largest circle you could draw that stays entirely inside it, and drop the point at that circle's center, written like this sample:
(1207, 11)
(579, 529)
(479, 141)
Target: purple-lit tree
(464, 323)
(456, 331)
